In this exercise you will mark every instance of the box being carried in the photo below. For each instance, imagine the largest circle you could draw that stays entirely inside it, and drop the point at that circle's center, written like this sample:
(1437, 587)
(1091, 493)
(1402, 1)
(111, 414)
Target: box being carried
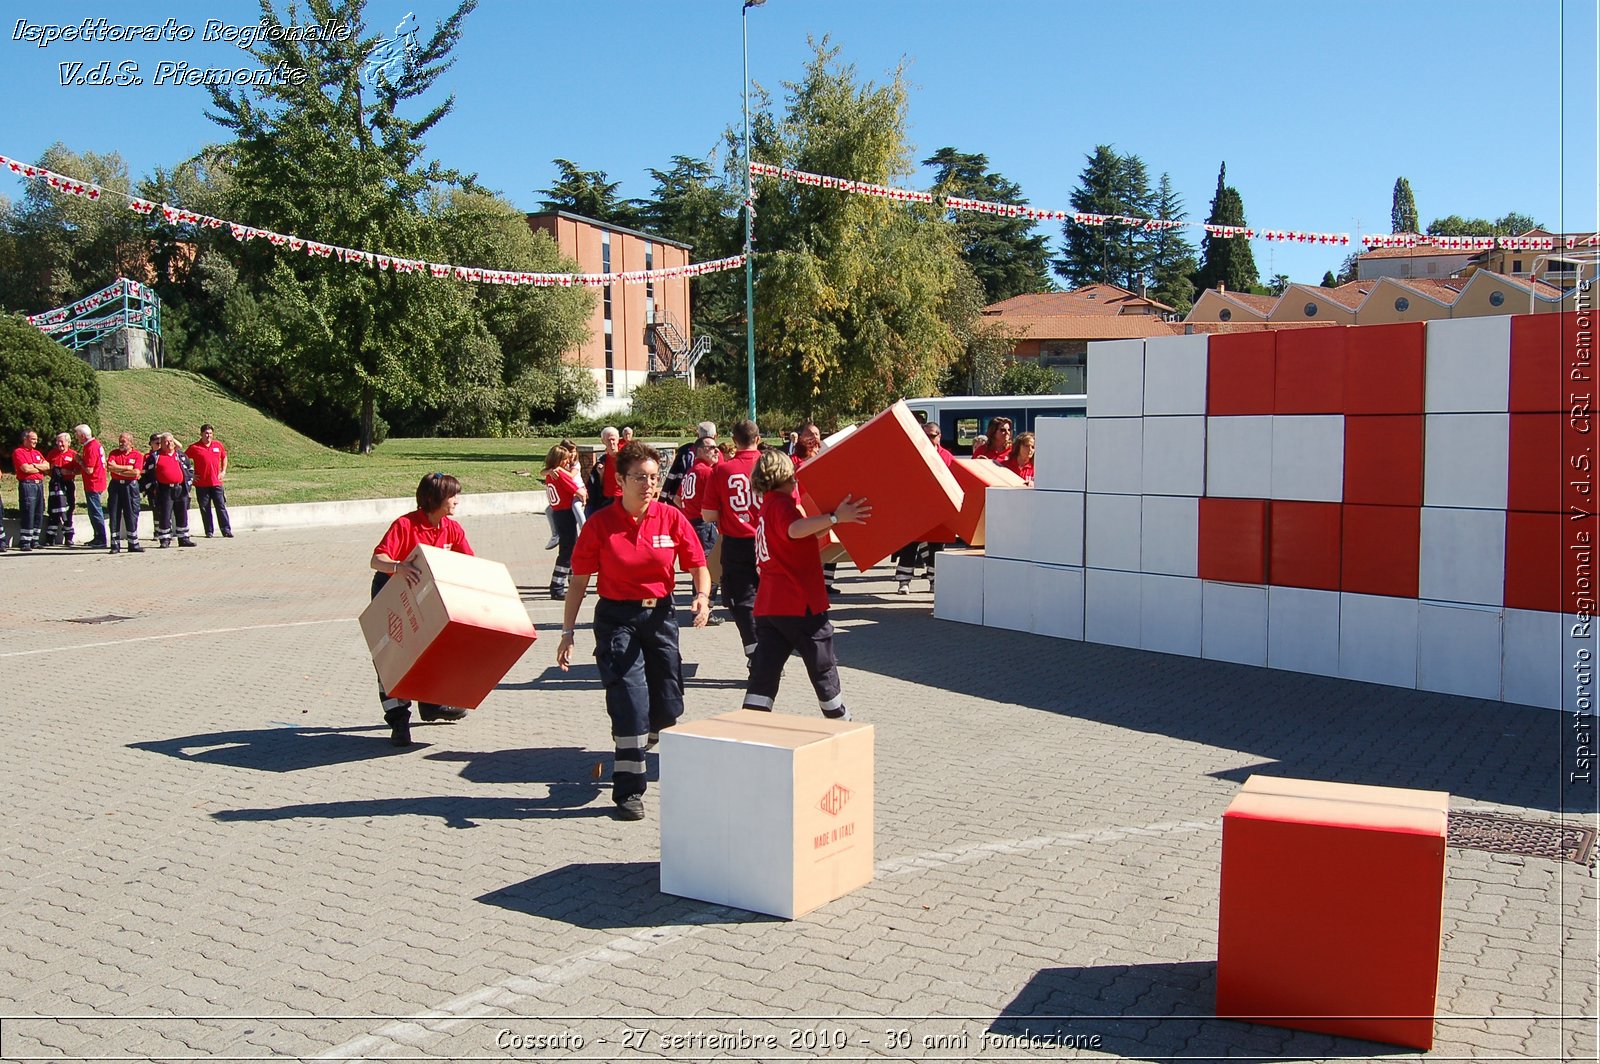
(766, 811)
(452, 637)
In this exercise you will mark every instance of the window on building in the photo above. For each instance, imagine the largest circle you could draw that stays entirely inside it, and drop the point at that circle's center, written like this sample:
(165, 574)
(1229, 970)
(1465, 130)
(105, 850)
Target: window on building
(1225, 314)
(1402, 304)
(1516, 265)
(1311, 310)
(605, 307)
(1433, 267)
(1497, 299)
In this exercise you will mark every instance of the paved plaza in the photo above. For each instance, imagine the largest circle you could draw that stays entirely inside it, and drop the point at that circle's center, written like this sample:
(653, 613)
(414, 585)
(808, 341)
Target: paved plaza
(211, 852)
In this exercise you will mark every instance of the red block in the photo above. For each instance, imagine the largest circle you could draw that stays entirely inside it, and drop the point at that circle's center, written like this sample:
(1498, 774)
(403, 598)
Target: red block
(1310, 371)
(1233, 540)
(1240, 371)
(1552, 466)
(976, 476)
(1381, 552)
(1383, 459)
(889, 462)
(1303, 544)
(1536, 551)
(1543, 375)
(1384, 369)
(1331, 908)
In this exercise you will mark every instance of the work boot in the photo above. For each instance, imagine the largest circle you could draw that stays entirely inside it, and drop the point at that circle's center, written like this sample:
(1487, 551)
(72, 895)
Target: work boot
(134, 548)
(185, 541)
(399, 721)
(433, 713)
(631, 808)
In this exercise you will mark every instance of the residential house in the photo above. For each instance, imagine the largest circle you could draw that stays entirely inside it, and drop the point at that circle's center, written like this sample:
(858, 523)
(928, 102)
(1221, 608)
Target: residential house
(1055, 328)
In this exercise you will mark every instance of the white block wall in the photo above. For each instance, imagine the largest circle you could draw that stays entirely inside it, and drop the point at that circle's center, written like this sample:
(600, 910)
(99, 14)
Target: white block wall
(1058, 601)
(1175, 375)
(1008, 594)
(1239, 457)
(1169, 536)
(1111, 607)
(960, 586)
(1308, 457)
(1008, 529)
(1459, 650)
(1176, 447)
(1169, 614)
(1469, 365)
(1065, 440)
(1233, 622)
(1111, 531)
(1116, 455)
(1058, 527)
(1463, 556)
(1465, 460)
(1116, 378)
(1378, 639)
(1303, 630)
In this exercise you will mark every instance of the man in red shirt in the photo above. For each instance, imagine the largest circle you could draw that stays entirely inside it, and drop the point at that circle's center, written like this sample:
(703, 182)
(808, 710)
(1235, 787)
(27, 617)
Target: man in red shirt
(604, 488)
(63, 492)
(174, 474)
(210, 460)
(124, 466)
(92, 463)
(30, 468)
(730, 504)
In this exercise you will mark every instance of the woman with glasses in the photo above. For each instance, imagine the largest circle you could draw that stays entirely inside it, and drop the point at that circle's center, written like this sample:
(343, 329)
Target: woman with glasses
(433, 525)
(631, 547)
(998, 446)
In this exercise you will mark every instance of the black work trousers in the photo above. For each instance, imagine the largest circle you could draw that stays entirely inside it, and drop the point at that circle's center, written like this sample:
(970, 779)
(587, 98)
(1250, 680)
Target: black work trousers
(811, 637)
(636, 649)
(739, 583)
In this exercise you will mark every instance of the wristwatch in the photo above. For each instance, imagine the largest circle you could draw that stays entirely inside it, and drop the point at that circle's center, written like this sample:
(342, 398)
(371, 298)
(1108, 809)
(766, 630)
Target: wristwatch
(833, 519)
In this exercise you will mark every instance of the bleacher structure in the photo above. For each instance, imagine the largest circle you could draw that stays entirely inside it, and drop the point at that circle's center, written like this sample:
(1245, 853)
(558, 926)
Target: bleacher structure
(118, 327)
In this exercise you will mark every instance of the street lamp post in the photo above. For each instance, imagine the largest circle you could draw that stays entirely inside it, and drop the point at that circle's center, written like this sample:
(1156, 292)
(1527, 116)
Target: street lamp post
(749, 222)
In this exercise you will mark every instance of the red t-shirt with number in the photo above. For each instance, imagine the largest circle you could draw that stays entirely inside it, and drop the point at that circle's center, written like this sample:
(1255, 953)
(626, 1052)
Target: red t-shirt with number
(692, 493)
(791, 569)
(562, 488)
(408, 531)
(731, 495)
(634, 557)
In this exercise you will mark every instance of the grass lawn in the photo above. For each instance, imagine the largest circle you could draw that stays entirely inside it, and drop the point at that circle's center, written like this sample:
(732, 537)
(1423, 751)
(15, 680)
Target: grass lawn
(268, 462)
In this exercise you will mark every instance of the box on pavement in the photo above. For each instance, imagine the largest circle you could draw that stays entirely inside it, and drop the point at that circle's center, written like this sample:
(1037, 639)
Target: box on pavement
(452, 637)
(1331, 910)
(890, 462)
(975, 476)
(769, 812)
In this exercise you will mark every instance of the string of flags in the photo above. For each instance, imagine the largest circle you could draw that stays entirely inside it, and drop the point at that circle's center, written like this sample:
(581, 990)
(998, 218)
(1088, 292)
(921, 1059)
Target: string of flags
(394, 263)
(116, 290)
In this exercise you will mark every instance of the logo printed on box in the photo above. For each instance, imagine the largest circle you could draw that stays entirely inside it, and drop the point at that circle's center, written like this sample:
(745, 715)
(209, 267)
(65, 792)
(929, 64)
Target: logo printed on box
(397, 628)
(834, 799)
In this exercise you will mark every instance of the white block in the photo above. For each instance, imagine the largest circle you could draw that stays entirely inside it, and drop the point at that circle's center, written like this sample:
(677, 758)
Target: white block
(1378, 639)
(1115, 371)
(1058, 601)
(1308, 457)
(1174, 459)
(1469, 365)
(1116, 455)
(1007, 523)
(1463, 556)
(1008, 594)
(1458, 650)
(1058, 527)
(1169, 614)
(1111, 607)
(1466, 460)
(1239, 457)
(1543, 655)
(958, 592)
(1169, 536)
(1111, 531)
(1061, 460)
(1175, 375)
(1303, 630)
(1233, 622)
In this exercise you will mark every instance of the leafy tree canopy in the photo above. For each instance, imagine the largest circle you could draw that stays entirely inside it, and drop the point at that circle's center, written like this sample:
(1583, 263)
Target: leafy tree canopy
(1403, 212)
(1005, 254)
(587, 192)
(1227, 261)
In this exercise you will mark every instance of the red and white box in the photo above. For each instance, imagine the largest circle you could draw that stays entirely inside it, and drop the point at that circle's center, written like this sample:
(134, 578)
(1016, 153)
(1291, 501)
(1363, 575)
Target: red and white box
(1303, 630)
(1169, 535)
(1241, 373)
(1118, 370)
(1469, 365)
(1174, 375)
(1116, 455)
(1308, 457)
(1062, 461)
(1008, 594)
(1239, 457)
(1233, 540)
(1466, 460)
(1463, 556)
(959, 592)
(1169, 614)
(1174, 459)
(1380, 550)
(1058, 527)
(1541, 344)
(1458, 650)
(1233, 622)
(1332, 906)
(453, 637)
(1111, 531)
(1310, 371)
(1057, 601)
(1378, 639)
(1384, 369)
(1383, 459)
(975, 477)
(1111, 607)
(1303, 544)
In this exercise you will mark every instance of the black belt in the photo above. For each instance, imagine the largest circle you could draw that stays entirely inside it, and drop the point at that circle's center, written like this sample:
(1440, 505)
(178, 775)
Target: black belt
(641, 604)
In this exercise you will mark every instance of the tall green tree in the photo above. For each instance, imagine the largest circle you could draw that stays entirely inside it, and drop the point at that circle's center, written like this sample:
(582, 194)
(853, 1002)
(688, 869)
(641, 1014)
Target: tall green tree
(1403, 211)
(1172, 261)
(336, 157)
(1226, 260)
(1116, 252)
(1006, 254)
(1513, 223)
(587, 192)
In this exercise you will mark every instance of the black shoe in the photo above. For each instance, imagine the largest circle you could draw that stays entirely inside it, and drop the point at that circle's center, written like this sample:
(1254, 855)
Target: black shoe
(96, 544)
(399, 721)
(227, 535)
(114, 549)
(631, 808)
(166, 543)
(442, 713)
(134, 548)
(208, 535)
(185, 541)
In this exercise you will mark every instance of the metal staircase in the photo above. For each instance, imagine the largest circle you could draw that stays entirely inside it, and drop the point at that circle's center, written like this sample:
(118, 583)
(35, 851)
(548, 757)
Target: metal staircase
(671, 353)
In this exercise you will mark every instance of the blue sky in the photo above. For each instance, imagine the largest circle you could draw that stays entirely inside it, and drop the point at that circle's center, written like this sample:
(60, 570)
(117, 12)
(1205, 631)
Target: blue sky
(1484, 106)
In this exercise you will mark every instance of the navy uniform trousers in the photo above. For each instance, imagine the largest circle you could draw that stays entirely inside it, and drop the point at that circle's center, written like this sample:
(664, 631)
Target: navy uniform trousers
(63, 500)
(394, 705)
(811, 637)
(124, 511)
(739, 583)
(636, 649)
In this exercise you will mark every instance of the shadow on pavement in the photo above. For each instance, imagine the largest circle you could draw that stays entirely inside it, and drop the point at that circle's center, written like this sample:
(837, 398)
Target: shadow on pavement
(1283, 723)
(1157, 1011)
(583, 675)
(283, 749)
(562, 764)
(565, 800)
(612, 895)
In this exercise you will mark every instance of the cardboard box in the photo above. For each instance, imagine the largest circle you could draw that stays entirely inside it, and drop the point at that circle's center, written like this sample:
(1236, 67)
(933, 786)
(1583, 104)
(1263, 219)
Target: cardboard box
(1116, 455)
(1304, 544)
(975, 476)
(452, 637)
(1466, 460)
(1380, 550)
(1169, 614)
(1308, 457)
(1239, 457)
(1383, 459)
(1303, 630)
(1233, 622)
(1459, 650)
(1057, 601)
(1175, 375)
(1111, 602)
(1233, 540)
(1174, 455)
(1384, 369)
(1469, 365)
(1111, 531)
(889, 462)
(1332, 905)
(1539, 345)
(1241, 374)
(959, 592)
(1169, 536)
(1378, 639)
(766, 811)
(1463, 556)
(1008, 591)
(1062, 462)
(1118, 370)
(1310, 371)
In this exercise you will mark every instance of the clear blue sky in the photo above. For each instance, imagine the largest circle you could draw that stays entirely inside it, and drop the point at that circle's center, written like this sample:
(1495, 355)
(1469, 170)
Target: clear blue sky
(1485, 106)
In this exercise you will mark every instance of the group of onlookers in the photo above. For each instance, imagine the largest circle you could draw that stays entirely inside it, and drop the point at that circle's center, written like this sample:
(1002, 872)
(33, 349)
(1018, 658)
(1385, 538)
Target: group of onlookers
(115, 485)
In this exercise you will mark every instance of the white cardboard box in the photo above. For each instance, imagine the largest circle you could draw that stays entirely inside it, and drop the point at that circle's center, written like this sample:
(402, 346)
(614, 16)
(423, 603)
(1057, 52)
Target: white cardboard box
(1111, 607)
(1175, 375)
(1466, 459)
(1057, 527)
(958, 593)
(1308, 457)
(1463, 556)
(1008, 515)
(1469, 365)
(1111, 531)
(1459, 649)
(1008, 594)
(1378, 639)
(1116, 455)
(1169, 535)
(1169, 614)
(1061, 462)
(1058, 601)
(1239, 457)
(1174, 455)
(1303, 630)
(766, 811)
(1233, 622)
(1116, 372)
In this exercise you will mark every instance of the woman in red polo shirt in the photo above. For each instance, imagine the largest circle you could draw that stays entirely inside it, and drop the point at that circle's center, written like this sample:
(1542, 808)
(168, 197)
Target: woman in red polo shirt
(1021, 460)
(433, 525)
(791, 613)
(632, 547)
(566, 495)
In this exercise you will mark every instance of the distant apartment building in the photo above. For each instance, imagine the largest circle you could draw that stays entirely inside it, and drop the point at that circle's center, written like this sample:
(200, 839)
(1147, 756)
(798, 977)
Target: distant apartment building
(637, 330)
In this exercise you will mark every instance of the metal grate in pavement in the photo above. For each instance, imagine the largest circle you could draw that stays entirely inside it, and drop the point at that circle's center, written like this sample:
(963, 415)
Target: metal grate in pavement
(1523, 838)
(110, 618)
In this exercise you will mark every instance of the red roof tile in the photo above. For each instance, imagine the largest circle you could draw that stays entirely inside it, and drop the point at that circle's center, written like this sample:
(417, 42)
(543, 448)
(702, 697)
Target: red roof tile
(1088, 326)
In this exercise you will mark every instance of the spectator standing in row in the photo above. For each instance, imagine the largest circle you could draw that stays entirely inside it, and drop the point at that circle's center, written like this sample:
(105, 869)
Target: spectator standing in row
(210, 459)
(604, 488)
(997, 448)
(123, 466)
(692, 491)
(683, 461)
(92, 464)
(63, 492)
(1021, 460)
(730, 503)
(174, 475)
(30, 468)
(565, 494)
